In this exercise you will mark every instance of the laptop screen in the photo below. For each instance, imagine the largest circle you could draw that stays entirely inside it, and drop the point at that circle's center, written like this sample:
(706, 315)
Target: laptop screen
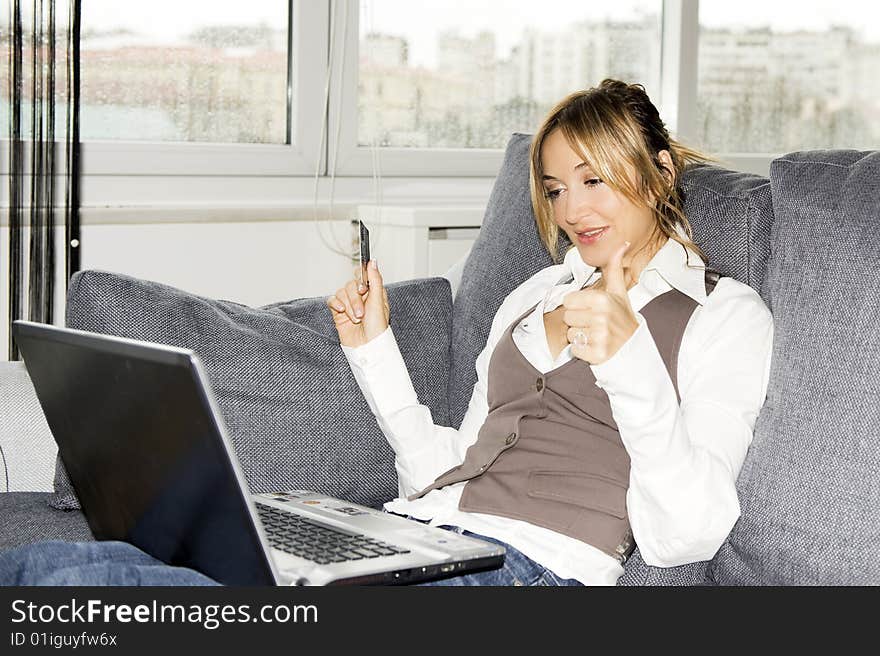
(138, 439)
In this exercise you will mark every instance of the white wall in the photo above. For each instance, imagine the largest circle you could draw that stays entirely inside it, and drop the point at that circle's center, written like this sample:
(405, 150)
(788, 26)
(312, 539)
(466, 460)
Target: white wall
(4, 282)
(253, 262)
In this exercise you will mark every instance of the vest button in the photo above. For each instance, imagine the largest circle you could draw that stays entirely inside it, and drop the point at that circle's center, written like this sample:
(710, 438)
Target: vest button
(539, 384)
(510, 439)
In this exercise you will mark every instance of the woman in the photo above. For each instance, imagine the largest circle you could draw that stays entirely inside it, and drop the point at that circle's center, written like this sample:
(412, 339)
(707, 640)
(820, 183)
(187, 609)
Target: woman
(615, 398)
(617, 392)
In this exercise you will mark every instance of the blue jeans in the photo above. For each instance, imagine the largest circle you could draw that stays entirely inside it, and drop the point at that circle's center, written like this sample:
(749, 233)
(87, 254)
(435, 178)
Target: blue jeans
(518, 569)
(90, 563)
(119, 563)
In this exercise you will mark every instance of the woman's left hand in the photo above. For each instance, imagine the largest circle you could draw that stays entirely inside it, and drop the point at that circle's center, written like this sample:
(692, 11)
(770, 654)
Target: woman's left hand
(604, 316)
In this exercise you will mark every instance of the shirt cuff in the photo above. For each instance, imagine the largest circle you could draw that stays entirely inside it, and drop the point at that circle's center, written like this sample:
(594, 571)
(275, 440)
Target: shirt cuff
(616, 373)
(381, 373)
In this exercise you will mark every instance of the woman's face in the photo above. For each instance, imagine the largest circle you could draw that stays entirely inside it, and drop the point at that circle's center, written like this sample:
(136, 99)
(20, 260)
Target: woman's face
(596, 218)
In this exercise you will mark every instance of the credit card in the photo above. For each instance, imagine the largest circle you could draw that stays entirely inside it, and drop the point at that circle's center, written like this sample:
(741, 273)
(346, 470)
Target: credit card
(364, 245)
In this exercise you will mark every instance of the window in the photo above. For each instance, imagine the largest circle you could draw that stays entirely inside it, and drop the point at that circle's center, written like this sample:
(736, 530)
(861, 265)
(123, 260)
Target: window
(781, 76)
(434, 76)
(198, 88)
(193, 102)
(191, 71)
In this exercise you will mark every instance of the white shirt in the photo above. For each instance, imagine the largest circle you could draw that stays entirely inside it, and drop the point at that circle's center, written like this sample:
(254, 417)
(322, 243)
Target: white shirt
(684, 458)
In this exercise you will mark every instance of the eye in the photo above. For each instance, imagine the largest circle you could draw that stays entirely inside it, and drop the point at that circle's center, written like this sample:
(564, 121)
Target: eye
(592, 182)
(553, 194)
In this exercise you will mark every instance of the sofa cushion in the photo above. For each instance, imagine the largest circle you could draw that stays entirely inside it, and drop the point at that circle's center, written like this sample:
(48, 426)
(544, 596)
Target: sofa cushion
(25, 518)
(731, 214)
(293, 409)
(810, 485)
(638, 573)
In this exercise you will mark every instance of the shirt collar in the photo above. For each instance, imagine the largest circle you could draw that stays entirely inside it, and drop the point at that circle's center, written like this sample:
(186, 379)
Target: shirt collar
(671, 263)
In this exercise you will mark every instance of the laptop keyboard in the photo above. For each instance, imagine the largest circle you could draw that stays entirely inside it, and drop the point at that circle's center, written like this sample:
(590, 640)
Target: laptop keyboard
(319, 543)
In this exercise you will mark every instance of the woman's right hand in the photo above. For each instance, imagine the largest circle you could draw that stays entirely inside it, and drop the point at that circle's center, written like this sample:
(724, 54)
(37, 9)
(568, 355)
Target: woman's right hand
(360, 315)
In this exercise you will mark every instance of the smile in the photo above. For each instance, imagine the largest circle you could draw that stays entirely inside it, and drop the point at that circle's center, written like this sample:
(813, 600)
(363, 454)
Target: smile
(590, 236)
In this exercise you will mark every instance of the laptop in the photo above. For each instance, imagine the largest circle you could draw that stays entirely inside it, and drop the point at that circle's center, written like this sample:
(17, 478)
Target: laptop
(147, 452)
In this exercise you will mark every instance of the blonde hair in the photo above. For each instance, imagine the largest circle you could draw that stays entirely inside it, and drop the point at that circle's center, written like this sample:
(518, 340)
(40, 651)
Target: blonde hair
(615, 128)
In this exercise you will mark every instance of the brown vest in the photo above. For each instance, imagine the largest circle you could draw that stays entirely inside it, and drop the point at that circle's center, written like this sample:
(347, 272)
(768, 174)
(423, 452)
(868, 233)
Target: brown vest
(549, 452)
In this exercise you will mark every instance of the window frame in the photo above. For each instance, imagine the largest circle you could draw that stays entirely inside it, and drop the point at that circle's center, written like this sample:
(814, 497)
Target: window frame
(680, 40)
(347, 158)
(680, 44)
(304, 155)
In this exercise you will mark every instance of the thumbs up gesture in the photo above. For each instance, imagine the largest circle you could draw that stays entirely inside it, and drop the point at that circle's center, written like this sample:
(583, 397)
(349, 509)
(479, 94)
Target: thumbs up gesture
(600, 321)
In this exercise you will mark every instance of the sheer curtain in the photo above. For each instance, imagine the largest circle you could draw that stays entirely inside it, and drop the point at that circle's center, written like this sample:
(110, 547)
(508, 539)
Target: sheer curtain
(42, 112)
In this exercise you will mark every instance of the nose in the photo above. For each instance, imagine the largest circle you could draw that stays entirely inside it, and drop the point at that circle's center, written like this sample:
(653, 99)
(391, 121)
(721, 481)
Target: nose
(576, 206)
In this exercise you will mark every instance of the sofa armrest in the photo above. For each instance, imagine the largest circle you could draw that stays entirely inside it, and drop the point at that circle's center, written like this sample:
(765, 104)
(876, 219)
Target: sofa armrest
(27, 462)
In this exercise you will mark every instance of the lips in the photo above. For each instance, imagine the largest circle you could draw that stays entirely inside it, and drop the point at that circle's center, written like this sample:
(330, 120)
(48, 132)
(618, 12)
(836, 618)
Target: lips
(590, 235)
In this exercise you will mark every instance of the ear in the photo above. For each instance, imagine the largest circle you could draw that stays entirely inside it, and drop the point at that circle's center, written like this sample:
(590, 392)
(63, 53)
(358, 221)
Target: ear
(665, 160)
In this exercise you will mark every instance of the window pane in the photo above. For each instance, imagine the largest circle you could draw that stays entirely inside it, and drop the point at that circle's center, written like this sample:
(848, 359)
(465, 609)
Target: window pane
(184, 70)
(788, 75)
(467, 74)
(30, 113)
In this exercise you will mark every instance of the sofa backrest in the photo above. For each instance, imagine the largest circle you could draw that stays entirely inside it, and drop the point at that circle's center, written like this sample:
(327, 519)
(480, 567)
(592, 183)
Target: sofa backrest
(731, 214)
(809, 488)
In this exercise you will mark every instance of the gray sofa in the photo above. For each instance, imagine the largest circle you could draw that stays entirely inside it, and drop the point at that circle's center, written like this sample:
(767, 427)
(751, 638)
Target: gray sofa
(806, 239)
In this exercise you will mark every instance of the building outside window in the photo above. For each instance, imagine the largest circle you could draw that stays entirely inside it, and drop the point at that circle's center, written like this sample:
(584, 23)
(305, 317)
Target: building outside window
(184, 71)
(433, 77)
(781, 76)
(440, 85)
